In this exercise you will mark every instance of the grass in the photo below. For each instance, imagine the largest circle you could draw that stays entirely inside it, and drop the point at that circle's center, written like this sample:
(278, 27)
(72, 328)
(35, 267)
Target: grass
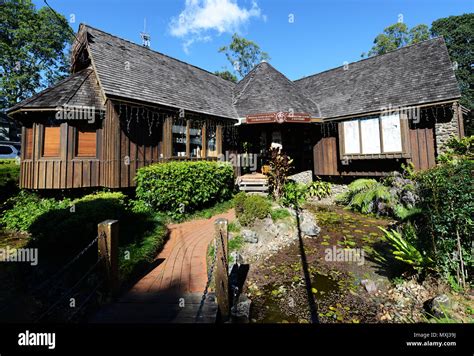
(138, 255)
(279, 214)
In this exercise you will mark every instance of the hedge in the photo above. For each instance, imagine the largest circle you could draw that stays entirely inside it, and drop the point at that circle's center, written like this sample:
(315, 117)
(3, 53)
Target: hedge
(182, 187)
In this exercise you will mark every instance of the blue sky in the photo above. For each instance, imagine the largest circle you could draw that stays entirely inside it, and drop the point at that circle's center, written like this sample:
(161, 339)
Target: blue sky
(303, 37)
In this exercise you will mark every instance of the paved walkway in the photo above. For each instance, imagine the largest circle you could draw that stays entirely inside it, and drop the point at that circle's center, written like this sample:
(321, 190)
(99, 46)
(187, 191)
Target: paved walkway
(181, 272)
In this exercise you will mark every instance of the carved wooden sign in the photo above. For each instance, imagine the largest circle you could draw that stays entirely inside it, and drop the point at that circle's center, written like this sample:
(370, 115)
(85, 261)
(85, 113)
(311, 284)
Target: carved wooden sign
(278, 117)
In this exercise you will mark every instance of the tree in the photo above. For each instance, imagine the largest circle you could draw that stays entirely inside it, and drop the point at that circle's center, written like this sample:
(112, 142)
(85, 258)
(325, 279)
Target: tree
(33, 47)
(243, 55)
(458, 33)
(396, 36)
(225, 74)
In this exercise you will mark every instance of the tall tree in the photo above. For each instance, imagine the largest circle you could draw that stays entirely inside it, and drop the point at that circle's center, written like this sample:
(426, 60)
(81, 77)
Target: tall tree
(33, 49)
(458, 33)
(396, 36)
(225, 74)
(243, 55)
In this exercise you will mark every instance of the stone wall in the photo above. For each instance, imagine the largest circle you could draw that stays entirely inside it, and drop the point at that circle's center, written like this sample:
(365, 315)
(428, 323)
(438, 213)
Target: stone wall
(446, 129)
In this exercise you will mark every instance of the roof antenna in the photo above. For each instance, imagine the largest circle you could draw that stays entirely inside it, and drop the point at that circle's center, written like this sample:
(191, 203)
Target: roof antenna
(145, 36)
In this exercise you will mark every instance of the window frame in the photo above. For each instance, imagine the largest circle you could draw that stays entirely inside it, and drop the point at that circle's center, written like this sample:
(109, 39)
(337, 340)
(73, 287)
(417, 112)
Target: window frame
(43, 142)
(404, 153)
(77, 130)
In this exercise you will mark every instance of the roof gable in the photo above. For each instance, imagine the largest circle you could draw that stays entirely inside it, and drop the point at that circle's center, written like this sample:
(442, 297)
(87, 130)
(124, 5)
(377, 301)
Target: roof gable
(266, 90)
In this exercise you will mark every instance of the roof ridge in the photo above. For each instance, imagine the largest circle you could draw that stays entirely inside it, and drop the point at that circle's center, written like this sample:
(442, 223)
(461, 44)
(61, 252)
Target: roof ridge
(373, 57)
(154, 51)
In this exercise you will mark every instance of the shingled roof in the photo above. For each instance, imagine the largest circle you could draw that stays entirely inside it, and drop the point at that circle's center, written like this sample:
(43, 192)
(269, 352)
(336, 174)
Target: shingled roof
(416, 74)
(131, 71)
(79, 89)
(266, 90)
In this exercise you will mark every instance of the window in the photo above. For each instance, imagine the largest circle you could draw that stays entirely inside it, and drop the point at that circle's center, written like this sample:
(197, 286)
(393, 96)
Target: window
(28, 143)
(211, 139)
(179, 139)
(86, 144)
(195, 139)
(5, 150)
(51, 141)
(372, 136)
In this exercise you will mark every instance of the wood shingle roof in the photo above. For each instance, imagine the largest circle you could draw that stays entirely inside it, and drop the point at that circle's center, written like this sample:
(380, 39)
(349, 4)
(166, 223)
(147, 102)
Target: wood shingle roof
(416, 74)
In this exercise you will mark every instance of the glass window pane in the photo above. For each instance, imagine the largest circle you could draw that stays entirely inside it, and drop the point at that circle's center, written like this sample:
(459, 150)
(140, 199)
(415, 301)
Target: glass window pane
(351, 137)
(195, 139)
(391, 133)
(211, 141)
(370, 131)
(179, 139)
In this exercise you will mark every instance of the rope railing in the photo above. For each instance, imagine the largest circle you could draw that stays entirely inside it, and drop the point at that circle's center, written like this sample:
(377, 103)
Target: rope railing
(104, 257)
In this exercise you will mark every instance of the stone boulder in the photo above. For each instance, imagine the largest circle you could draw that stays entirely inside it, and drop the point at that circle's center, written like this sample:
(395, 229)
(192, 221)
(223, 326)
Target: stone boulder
(308, 224)
(240, 312)
(249, 236)
(438, 306)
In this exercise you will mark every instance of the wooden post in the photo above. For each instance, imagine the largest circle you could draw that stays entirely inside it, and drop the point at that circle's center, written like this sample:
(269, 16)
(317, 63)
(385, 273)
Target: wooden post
(108, 249)
(222, 269)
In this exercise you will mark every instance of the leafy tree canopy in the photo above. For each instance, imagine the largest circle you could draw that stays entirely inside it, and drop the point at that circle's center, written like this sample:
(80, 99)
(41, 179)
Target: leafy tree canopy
(458, 32)
(227, 75)
(243, 55)
(32, 50)
(396, 36)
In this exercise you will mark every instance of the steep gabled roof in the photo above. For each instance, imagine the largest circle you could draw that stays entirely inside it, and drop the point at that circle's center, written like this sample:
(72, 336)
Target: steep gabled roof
(79, 89)
(266, 90)
(416, 74)
(131, 71)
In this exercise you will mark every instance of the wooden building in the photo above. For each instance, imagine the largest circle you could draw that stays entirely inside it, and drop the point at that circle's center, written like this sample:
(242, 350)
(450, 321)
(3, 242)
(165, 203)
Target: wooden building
(125, 106)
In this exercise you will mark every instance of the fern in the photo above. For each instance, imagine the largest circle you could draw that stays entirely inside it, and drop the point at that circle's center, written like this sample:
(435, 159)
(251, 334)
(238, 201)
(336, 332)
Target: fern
(406, 252)
(363, 194)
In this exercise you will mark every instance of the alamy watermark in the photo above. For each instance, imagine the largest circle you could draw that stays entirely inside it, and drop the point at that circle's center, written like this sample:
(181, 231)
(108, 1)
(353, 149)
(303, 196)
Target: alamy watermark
(76, 112)
(337, 254)
(9, 254)
(240, 160)
(410, 112)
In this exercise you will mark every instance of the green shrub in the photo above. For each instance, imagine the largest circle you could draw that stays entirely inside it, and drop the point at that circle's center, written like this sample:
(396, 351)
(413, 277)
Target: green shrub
(447, 204)
(279, 214)
(9, 175)
(26, 208)
(319, 189)
(249, 207)
(182, 187)
(294, 194)
(458, 148)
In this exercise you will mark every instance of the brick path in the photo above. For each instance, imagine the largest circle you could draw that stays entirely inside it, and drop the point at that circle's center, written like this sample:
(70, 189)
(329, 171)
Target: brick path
(181, 273)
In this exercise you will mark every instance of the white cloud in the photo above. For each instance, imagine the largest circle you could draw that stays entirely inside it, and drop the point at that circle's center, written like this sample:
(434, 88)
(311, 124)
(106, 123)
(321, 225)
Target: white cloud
(200, 18)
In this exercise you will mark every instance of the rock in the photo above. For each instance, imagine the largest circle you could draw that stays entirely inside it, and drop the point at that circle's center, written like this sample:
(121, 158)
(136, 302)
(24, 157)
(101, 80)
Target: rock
(305, 177)
(308, 225)
(241, 311)
(249, 236)
(438, 306)
(369, 286)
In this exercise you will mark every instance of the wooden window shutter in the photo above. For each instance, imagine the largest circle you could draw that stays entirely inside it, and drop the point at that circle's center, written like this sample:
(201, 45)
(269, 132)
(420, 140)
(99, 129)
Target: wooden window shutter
(86, 143)
(51, 141)
(28, 143)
